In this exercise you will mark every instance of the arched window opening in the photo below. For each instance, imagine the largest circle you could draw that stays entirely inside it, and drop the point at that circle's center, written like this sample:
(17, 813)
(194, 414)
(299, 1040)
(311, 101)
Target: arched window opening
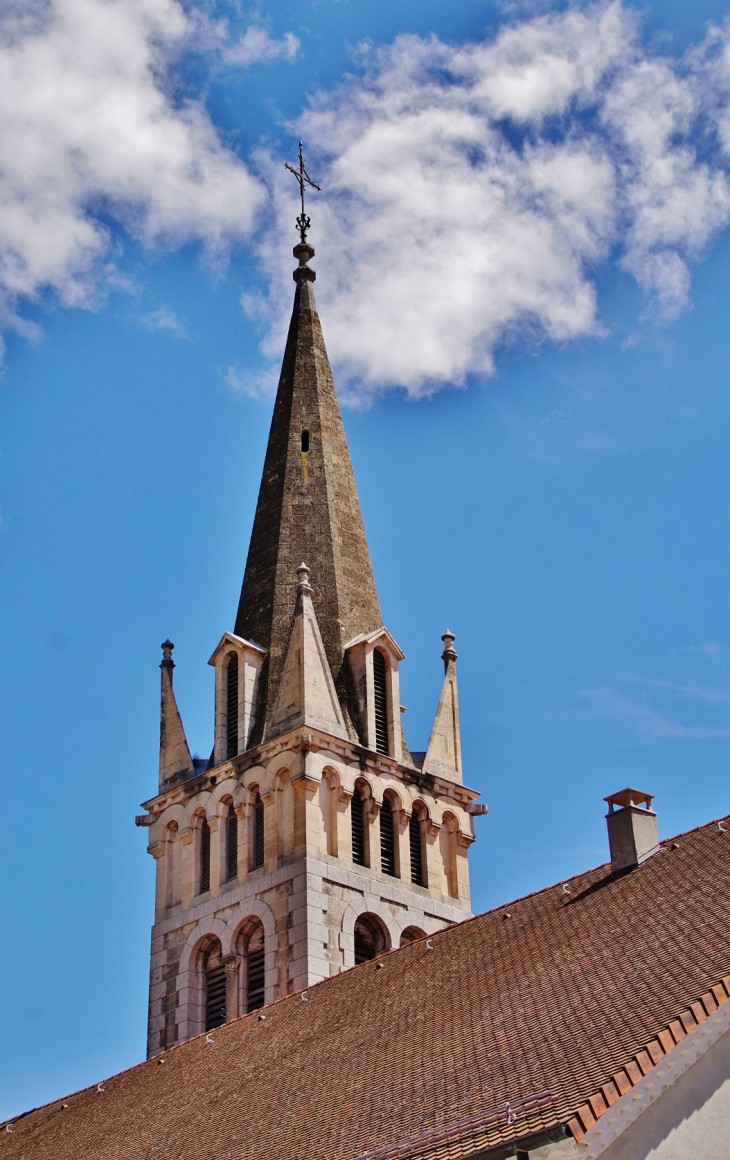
(370, 938)
(416, 845)
(387, 839)
(231, 844)
(381, 701)
(204, 856)
(258, 832)
(215, 990)
(357, 816)
(232, 705)
(256, 971)
(411, 934)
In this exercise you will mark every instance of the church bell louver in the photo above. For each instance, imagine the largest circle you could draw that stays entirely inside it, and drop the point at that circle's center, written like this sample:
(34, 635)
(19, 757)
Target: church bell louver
(301, 879)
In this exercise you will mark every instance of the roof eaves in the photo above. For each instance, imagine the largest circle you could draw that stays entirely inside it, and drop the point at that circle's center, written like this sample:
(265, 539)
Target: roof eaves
(640, 1064)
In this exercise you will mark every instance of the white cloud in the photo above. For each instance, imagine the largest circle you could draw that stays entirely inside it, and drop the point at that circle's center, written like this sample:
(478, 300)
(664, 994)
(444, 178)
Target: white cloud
(89, 132)
(261, 385)
(163, 319)
(472, 191)
(256, 45)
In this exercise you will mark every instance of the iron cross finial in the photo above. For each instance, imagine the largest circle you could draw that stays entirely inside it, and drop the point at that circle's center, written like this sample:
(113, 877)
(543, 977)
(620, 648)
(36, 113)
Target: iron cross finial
(303, 222)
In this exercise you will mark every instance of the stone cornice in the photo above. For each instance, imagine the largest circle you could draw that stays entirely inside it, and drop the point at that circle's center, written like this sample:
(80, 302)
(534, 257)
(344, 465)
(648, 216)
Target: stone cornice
(308, 740)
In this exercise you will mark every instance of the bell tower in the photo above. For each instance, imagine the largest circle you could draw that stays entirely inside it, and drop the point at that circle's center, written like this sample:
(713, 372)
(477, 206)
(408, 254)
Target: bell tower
(312, 839)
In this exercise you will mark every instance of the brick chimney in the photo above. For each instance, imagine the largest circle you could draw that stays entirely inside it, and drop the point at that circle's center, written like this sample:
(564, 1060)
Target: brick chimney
(632, 830)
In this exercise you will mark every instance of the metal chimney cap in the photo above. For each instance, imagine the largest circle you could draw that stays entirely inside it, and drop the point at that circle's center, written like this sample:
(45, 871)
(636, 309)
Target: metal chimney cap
(629, 797)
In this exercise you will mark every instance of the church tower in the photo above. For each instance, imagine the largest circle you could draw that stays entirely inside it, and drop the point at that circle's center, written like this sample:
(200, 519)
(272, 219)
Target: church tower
(312, 839)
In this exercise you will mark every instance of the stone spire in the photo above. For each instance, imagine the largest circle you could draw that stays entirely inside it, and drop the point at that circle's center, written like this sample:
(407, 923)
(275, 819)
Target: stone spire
(307, 510)
(175, 759)
(443, 755)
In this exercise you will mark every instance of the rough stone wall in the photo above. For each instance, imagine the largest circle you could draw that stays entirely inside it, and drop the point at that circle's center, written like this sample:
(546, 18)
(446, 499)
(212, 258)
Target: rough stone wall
(307, 510)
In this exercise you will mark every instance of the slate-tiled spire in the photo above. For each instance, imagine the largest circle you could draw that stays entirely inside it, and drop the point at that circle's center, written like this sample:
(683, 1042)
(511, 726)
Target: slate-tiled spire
(307, 510)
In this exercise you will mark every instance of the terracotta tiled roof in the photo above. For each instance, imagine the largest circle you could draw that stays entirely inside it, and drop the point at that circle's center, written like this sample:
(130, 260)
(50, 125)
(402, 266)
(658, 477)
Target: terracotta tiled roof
(647, 1058)
(557, 992)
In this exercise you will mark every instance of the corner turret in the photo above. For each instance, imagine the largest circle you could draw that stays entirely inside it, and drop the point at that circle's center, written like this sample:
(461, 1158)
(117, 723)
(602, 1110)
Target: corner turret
(443, 755)
(176, 763)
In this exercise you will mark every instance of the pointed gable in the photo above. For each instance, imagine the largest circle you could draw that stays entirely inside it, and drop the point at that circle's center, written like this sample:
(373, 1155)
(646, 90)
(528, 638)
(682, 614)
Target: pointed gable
(443, 755)
(307, 509)
(306, 693)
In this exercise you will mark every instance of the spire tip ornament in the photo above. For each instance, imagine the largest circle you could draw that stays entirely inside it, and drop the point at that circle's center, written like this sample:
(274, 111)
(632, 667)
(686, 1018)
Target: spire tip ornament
(303, 222)
(449, 654)
(303, 584)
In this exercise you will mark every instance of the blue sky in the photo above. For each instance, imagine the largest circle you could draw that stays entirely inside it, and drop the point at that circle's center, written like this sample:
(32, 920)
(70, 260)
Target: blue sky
(526, 309)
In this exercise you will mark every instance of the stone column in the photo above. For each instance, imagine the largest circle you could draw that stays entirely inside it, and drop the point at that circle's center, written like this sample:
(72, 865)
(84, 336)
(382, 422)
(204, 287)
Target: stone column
(158, 852)
(271, 837)
(402, 850)
(344, 826)
(232, 963)
(434, 866)
(187, 861)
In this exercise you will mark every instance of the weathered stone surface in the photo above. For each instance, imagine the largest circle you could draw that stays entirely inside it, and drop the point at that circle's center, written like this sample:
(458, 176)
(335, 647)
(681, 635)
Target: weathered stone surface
(306, 694)
(308, 510)
(175, 758)
(443, 755)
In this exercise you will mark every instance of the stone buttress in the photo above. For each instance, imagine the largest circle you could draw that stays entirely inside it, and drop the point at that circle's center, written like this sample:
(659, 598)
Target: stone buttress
(312, 839)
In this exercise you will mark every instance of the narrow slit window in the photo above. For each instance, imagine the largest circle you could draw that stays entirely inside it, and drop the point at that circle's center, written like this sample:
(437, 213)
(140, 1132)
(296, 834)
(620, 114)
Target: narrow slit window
(204, 856)
(215, 996)
(381, 702)
(258, 832)
(231, 845)
(414, 838)
(358, 829)
(387, 839)
(305, 441)
(232, 706)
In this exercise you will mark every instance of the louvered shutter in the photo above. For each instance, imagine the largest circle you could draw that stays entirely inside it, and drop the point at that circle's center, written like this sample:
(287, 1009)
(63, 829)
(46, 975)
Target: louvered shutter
(255, 980)
(381, 702)
(414, 837)
(232, 705)
(258, 832)
(358, 829)
(204, 856)
(387, 839)
(231, 845)
(215, 997)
